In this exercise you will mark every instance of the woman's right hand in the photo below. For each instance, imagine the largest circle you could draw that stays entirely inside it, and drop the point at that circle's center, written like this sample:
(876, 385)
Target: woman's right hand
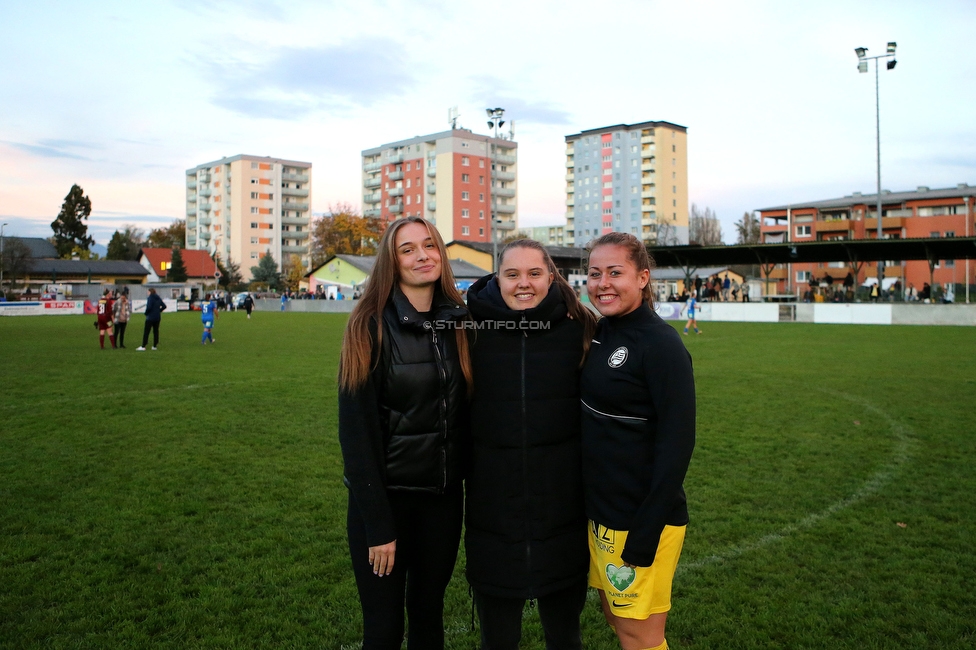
(381, 558)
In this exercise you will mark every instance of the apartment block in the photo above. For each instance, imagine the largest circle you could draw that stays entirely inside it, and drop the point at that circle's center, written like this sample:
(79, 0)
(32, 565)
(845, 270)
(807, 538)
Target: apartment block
(458, 180)
(922, 213)
(245, 206)
(628, 178)
(549, 235)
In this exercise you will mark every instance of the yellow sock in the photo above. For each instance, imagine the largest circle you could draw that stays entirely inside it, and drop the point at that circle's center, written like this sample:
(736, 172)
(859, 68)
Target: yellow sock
(663, 646)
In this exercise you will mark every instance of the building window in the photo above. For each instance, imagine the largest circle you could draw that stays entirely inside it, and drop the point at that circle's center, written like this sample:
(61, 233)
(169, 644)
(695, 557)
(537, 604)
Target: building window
(464, 230)
(254, 256)
(803, 231)
(254, 181)
(803, 276)
(254, 195)
(481, 180)
(464, 196)
(254, 240)
(254, 165)
(465, 161)
(481, 196)
(481, 231)
(254, 224)
(464, 213)
(408, 182)
(481, 163)
(481, 214)
(465, 178)
(254, 210)
(408, 199)
(408, 169)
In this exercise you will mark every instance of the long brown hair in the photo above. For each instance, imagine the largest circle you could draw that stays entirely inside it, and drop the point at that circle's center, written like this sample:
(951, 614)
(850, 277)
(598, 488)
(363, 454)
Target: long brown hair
(355, 358)
(577, 310)
(636, 253)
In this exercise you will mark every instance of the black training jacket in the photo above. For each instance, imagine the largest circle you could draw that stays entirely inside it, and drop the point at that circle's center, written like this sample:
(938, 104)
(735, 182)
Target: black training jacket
(638, 405)
(407, 427)
(525, 526)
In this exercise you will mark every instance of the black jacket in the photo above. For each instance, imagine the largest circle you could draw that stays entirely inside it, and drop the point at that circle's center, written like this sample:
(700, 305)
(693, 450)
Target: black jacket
(154, 308)
(407, 427)
(525, 532)
(638, 405)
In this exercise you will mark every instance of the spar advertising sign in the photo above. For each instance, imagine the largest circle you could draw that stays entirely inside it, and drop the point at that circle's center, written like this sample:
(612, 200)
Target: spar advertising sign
(44, 308)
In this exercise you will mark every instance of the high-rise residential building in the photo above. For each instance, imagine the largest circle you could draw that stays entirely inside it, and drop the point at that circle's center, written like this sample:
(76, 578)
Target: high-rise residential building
(628, 178)
(455, 179)
(245, 206)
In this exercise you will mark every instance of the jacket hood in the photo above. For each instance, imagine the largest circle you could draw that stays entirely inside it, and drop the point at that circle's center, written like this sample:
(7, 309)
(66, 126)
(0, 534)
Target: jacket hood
(441, 308)
(486, 303)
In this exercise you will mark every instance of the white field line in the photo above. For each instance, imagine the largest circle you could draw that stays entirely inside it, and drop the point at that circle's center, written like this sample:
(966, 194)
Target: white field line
(902, 452)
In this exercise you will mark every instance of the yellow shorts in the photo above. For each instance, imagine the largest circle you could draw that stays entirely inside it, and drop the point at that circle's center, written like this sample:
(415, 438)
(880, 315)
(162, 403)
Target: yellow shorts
(634, 592)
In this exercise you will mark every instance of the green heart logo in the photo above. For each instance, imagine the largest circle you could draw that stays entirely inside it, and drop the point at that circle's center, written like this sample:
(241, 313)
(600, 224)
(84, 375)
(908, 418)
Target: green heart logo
(620, 577)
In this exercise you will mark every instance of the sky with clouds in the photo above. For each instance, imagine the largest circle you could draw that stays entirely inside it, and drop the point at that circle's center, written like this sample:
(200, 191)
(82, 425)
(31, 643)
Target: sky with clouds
(123, 97)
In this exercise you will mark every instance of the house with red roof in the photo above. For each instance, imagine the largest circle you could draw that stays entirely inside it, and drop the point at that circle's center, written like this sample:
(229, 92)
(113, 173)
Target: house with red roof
(200, 267)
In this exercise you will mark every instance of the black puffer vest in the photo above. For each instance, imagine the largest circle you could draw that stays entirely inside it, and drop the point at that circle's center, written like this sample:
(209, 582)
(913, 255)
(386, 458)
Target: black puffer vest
(422, 396)
(525, 532)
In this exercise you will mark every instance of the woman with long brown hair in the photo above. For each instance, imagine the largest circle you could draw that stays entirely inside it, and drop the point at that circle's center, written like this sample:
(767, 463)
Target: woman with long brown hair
(403, 381)
(525, 533)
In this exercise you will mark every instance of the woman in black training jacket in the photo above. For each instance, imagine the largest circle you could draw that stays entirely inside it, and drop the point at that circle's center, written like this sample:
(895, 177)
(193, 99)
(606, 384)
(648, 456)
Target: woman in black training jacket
(403, 378)
(526, 526)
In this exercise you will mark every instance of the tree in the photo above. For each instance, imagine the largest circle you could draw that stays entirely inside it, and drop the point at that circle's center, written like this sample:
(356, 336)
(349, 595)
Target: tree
(125, 244)
(69, 228)
(667, 233)
(79, 253)
(747, 229)
(172, 236)
(294, 272)
(15, 260)
(230, 274)
(704, 228)
(344, 231)
(177, 269)
(266, 272)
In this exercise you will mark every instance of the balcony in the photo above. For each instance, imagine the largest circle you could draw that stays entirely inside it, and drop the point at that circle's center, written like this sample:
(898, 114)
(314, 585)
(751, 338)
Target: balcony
(289, 234)
(396, 208)
(648, 166)
(205, 235)
(570, 162)
(432, 205)
(395, 158)
(375, 197)
(504, 159)
(505, 208)
(395, 176)
(191, 183)
(299, 250)
(375, 181)
(395, 191)
(301, 178)
(648, 179)
(570, 200)
(293, 191)
(776, 274)
(570, 177)
(373, 166)
(503, 176)
(204, 191)
(871, 225)
(838, 225)
(648, 207)
(648, 194)
(294, 221)
(191, 240)
(204, 221)
(508, 192)
(372, 212)
(648, 222)
(570, 148)
(204, 177)
(647, 139)
(191, 212)
(432, 188)
(204, 205)
(300, 207)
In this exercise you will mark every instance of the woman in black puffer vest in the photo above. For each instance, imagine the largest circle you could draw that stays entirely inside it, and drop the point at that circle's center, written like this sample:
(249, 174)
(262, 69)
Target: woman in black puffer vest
(525, 522)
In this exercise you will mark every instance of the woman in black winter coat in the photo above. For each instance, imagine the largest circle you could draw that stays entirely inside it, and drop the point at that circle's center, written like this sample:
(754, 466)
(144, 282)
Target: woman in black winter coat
(403, 427)
(525, 524)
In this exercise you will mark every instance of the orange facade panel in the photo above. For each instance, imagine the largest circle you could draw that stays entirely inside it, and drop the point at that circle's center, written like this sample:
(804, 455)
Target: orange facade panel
(264, 166)
(266, 197)
(264, 240)
(264, 181)
(841, 225)
(264, 211)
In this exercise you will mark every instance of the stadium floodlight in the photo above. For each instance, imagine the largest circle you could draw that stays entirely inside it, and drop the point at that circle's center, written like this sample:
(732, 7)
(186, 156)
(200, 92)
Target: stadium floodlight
(862, 66)
(495, 121)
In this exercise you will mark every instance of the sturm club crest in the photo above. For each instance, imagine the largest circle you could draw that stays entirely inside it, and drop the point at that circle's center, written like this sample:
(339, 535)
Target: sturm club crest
(618, 357)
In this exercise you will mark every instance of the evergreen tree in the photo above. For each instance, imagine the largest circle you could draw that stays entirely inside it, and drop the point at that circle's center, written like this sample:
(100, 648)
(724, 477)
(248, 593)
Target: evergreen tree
(177, 271)
(125, 244)
(171, 236)
(70, 229)
(266, 272)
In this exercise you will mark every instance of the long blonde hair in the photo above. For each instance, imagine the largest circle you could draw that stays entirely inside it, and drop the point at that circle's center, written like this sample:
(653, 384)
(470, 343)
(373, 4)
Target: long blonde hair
(577, 310)
(355, 359)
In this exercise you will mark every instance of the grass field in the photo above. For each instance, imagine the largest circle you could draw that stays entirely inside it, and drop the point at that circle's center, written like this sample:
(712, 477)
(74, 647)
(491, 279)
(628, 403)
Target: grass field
(192, 497)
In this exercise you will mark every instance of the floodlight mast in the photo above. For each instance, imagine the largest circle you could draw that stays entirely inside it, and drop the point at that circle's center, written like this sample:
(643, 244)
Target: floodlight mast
(862, 66)
(495, 121)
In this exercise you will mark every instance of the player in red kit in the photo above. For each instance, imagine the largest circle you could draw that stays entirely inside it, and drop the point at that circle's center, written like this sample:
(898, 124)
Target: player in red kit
(104, 312)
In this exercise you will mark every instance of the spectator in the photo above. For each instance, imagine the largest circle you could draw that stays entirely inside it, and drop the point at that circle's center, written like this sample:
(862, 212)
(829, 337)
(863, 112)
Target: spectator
(726, 287)
(122, 313)
(154, 314)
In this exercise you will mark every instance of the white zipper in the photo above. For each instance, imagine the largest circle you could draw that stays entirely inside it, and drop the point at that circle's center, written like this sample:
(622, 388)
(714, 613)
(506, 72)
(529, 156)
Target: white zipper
(609, 415)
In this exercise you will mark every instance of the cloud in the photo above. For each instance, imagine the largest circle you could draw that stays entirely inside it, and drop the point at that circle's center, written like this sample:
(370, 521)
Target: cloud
(45, 151)
(68, 144)
(492, 91)
(295, 81)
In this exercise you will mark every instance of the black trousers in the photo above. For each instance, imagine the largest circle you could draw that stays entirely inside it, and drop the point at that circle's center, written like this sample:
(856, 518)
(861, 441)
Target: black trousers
(154, 326)
(428, 534)
(501, 619)
(120, 333)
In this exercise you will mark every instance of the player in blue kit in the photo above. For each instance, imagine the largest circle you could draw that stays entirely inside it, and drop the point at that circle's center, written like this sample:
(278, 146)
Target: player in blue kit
(208, 313)
(691, 305)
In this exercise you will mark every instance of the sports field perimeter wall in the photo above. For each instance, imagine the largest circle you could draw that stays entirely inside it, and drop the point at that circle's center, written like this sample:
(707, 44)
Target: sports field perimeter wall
(318, 306)
(839, 313)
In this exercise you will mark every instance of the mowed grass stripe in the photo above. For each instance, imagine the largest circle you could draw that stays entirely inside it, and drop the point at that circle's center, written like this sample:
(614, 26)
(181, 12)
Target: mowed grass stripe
(192, 497)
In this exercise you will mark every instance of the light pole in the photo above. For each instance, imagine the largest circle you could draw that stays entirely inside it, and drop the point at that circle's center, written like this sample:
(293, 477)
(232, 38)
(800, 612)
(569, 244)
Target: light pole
(1, 258)
(495, 121)
(862, 66)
